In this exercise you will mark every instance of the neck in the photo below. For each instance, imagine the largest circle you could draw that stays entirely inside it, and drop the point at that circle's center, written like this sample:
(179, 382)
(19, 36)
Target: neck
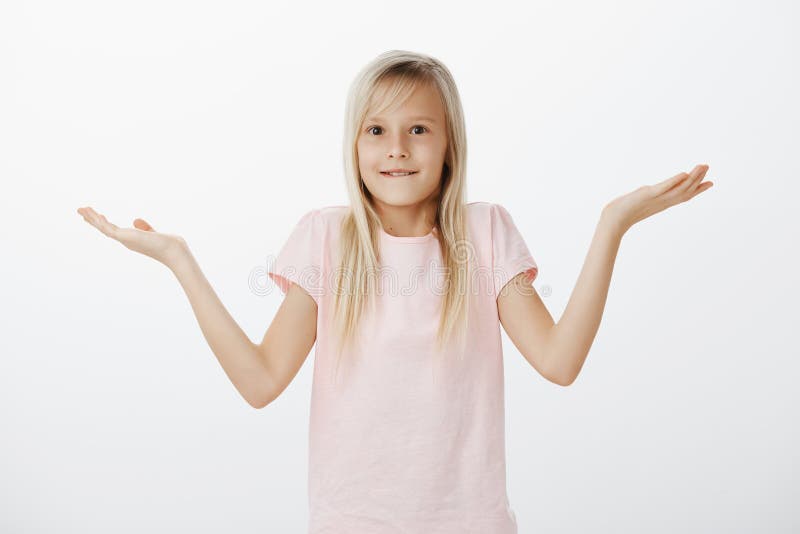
(415, 220)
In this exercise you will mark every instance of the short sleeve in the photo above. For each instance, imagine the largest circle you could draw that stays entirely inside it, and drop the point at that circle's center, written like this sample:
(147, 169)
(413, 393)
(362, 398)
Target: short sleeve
(299, 260)
(510, 254)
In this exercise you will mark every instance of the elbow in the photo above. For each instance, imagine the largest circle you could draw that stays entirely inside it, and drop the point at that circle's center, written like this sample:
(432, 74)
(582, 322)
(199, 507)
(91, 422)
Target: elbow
(260, 402)
(563, 382)
(261, 392)
(257, 404)
(561, 377)
(559, 380)
(260, 399)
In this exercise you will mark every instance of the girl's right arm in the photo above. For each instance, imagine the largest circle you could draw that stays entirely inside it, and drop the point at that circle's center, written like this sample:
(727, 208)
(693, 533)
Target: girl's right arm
(259, 372)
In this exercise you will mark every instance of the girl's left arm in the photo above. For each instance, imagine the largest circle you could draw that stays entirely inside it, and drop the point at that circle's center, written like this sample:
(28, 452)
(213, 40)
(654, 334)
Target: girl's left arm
(572, 336)
(561, 351)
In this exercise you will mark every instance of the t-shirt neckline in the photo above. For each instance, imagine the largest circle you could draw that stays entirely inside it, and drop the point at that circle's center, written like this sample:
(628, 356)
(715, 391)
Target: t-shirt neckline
(407, 239)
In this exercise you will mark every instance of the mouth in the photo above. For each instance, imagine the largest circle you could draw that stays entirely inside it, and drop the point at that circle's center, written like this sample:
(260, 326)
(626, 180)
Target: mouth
(398, 173)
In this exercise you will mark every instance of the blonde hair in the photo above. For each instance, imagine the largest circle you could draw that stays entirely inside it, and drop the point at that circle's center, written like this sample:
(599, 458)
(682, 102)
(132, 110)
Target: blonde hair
(360, 229)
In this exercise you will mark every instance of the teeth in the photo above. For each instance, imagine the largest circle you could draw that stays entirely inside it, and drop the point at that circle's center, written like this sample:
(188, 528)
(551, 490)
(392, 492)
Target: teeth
(398, 173)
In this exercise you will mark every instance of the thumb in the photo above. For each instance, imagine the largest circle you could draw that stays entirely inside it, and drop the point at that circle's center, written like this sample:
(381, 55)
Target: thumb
(141, 224)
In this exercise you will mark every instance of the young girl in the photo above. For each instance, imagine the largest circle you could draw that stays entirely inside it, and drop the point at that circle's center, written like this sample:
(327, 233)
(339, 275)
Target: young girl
(404, 291)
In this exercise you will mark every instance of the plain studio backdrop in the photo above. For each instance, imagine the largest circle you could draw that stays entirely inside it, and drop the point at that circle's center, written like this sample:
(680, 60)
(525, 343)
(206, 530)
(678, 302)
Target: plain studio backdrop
(222, 122)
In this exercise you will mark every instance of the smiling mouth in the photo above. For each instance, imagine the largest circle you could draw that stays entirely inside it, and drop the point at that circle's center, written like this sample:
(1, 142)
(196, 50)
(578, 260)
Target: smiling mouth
(398, 174)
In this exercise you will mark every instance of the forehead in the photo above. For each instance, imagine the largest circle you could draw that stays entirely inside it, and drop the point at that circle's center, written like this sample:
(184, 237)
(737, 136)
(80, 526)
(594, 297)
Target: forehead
(413, 100)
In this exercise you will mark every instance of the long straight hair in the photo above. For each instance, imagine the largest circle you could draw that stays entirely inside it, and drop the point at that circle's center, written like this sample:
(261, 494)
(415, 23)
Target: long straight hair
(401, 72)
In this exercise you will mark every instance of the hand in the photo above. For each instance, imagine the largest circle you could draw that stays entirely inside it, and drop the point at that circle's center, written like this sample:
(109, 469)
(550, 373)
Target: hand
(165, 248)
(627, 210)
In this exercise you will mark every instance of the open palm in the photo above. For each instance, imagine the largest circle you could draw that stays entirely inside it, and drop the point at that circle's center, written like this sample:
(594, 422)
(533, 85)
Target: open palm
(648, 200)
(141, 238)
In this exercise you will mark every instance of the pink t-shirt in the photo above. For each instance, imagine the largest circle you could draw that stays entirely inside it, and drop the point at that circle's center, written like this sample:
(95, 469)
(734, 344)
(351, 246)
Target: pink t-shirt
(406, 442)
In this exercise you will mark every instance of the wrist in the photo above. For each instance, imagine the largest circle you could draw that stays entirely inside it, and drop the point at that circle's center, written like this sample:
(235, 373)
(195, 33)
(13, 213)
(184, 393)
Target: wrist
(613, 223)
(178, 257)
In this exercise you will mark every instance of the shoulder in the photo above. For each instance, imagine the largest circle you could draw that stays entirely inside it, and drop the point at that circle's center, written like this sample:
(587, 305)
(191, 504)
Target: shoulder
(483, 207)
(323, 216)
(332, 212)
(330, 217)
(486, 213)
(491, 223)
(321, 223)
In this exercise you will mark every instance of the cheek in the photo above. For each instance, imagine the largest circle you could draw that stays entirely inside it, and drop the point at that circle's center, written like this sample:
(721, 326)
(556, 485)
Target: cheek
(365, 152)
(435, 149)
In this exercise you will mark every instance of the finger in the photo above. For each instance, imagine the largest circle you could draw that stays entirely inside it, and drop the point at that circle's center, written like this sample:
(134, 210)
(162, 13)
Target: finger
(141, 224)
(107, 223)
(88, 215)
(107, 227)
(700, 177)
(695, 178)
(669, 183)
(100, 222)
(682, 182)
(84, 212)
(702, 187)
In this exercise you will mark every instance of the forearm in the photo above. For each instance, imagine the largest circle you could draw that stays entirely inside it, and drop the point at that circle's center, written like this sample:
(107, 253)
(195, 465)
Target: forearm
(237, 354)
(572, 336)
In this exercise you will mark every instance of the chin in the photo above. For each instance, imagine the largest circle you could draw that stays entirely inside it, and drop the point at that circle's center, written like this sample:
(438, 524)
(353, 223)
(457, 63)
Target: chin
(399, 198)
(399, 193)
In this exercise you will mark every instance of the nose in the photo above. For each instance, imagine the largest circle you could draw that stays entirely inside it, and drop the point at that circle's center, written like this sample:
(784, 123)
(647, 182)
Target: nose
(397, 147)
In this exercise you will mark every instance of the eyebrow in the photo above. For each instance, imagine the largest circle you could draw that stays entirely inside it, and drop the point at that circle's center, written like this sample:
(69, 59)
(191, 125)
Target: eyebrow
(370, 119)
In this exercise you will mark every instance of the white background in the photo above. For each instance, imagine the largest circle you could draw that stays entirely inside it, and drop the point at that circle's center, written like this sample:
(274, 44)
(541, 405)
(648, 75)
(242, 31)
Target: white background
(222, 122)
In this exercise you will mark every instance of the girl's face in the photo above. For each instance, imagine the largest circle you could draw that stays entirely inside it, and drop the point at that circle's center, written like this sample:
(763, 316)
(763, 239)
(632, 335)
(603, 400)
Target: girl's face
(411, 137)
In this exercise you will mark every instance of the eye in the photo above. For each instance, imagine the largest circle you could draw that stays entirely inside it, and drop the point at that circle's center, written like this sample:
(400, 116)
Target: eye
(371, 128)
